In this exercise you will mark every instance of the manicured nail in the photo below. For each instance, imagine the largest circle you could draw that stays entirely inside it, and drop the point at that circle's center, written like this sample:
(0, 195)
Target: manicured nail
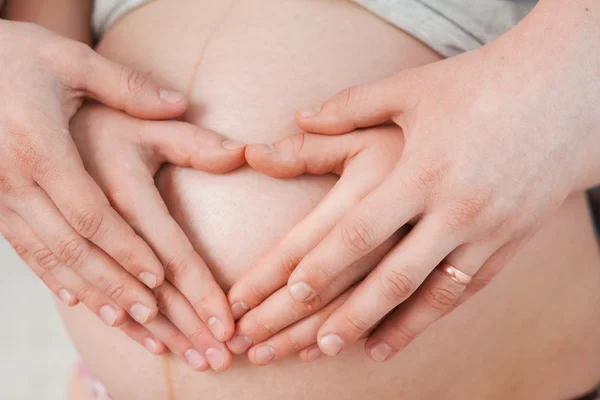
(239, 309)
(232, 144)
(239, 344)
(301, 291)
(264, 355)
(151, 345)
(65, 296)
(194, 358)
(380, 352)
(331, 344)
(148, 279)
(313, 354)
(140, 312)
(310, 111)
(171, 97)
(108, 314)
(216, 327)
(215, 358)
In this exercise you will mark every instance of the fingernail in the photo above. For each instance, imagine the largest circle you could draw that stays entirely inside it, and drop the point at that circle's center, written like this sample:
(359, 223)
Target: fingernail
(310, 111)
(140, 312)
(264, 355)
(268, 148)
(108, 314)
(239, 344)
(171, 97)
(380, 352)
(331, 344)
(194, 358)
(151, 345)
(313, 354)
(239, 309)
(232, 144)
(300, 291)
(65, 296)
(216, 327)
(148, 279)
(215, 358)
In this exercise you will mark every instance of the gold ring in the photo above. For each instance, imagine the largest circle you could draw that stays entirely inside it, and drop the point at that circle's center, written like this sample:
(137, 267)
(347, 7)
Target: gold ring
(455, 274)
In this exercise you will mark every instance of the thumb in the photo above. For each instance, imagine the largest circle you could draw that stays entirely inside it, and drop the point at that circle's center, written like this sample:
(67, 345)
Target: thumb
(121, 88)
(356, 107)
(303, 153)
(187, 145)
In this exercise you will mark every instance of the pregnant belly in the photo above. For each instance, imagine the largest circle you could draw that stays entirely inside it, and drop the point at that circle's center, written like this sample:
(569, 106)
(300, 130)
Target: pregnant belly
(247, 65)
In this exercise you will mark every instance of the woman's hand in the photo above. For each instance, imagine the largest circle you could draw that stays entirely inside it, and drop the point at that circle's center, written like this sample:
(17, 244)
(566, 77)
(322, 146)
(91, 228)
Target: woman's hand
(45, 192)
(280, 325)
(494, 142)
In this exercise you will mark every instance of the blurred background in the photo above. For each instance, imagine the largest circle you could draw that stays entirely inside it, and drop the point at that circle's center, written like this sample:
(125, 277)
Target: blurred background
(36, 356)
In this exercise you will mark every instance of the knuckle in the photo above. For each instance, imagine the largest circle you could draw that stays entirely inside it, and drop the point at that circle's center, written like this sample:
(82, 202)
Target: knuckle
(177, 267)
(396, 286)
(202, 303)
(439, 298)
(257, 294)
(5, 186)
(348, 97)
(466, 212)
(72, 252)
(312, 305)
(430, 178)
(17, 247)
(292, 343)
(402, 336)
(356, 324)
(199, 335)
(132, 81)
(46, 259)
(288, 263)
(297, 142)
(88, 222)
(264, 329)
(359, 236)
(115, 290)
(84, 294)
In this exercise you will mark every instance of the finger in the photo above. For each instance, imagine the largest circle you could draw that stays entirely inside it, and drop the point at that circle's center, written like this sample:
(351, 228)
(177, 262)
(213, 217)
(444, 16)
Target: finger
(141, 335)
(295, 338)
(310, 353)
(145, 210)
(121, 88)
(86, 208)
(187, 145)
(304, 154)
(492, 267)
(179, 311)
(58, 248)
(395, 279)
(434, 298)
(355, 107)
(51, 283)
(391, 205)
(273, 269)
(49, 266)
(280, 310)
(176, 341)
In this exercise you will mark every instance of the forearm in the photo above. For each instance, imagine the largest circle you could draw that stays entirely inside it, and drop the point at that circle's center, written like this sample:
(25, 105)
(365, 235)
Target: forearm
(555, 56)
(70, 18)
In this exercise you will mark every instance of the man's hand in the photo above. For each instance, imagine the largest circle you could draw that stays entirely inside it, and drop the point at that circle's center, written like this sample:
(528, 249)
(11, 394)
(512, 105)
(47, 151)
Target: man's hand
(48, 201)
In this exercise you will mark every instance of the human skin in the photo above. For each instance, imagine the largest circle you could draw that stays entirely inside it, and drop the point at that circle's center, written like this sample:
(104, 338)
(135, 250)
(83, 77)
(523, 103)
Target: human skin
(114, 239)
(488, 157)
(253, 74)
